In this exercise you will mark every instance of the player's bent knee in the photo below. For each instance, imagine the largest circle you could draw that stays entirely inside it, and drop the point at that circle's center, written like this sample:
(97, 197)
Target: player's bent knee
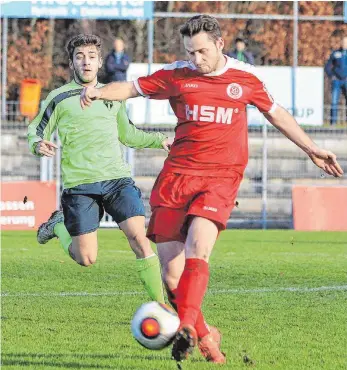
(198, 249)
(170, 276)
(86, 261)
(84, 249)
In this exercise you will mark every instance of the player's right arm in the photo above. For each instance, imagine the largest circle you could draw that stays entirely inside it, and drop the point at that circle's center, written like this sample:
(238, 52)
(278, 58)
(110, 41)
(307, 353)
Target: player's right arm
(113, 91)
(41, 129)
(158, 85)
(286, 123)
(132, 137)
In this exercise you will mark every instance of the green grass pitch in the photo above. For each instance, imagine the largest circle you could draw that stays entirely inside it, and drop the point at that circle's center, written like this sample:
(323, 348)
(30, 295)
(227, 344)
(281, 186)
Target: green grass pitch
(279, 297)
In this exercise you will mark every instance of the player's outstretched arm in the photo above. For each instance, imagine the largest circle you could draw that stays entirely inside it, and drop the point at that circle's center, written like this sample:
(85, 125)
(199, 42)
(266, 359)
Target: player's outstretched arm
(322, 158)
(112, 91)
(133, 137)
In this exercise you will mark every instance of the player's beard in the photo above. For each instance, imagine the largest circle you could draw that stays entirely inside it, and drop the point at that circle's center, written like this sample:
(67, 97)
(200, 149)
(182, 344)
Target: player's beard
(206, 69)
(211, 68)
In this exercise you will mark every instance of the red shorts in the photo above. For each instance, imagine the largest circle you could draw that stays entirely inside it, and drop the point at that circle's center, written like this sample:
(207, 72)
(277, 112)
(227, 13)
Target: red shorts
(175, 197)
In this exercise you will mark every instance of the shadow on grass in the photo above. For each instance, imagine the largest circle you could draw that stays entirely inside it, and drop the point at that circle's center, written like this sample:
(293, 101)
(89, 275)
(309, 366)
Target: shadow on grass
(63, 365)
(59, 360)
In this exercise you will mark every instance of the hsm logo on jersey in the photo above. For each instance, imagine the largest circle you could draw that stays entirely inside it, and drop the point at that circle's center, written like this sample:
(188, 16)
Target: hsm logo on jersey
(206, 113)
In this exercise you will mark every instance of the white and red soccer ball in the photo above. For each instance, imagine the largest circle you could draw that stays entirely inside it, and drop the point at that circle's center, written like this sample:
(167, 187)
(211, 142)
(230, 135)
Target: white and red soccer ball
(154, 325)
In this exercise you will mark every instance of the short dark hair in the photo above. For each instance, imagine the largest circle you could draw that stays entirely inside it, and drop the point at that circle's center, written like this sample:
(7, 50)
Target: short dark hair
(202, 23)
(83, 40)
(240, 39)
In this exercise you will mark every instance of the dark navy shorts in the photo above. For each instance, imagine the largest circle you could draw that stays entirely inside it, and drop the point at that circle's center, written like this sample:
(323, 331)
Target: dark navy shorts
(84, 205)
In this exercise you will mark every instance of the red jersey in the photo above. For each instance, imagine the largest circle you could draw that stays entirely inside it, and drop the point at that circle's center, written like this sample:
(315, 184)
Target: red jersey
(211, 135)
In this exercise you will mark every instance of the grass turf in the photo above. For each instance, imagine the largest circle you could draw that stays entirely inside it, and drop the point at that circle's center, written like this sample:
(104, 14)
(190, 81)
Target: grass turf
(264, 325)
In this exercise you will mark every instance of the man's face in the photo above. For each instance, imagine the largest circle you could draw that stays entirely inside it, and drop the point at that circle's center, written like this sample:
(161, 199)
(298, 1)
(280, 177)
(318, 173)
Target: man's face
(240, 46)
(204, 52)
(86, 63)
(118, 46)
(344, 43)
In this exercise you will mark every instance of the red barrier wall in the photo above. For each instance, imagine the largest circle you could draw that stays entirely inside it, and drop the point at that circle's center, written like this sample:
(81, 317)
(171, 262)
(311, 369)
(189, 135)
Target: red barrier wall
(320, 208)
(16, 214)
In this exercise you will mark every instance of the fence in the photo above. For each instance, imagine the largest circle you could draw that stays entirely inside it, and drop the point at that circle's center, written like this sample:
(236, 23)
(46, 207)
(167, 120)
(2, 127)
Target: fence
(16, 162)
(264, 200)
(14, 119)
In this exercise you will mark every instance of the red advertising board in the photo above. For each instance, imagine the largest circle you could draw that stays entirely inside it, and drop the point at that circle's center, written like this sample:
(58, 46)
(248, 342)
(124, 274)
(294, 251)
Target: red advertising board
(320, 208)
(26, 204)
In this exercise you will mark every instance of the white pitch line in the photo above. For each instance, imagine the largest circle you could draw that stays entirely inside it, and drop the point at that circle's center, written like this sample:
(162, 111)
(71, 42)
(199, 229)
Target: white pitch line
(276, 290)
(212, 291)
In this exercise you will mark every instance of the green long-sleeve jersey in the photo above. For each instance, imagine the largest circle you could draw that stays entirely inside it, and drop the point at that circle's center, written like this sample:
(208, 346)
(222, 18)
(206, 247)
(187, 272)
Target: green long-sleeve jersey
(90, 138)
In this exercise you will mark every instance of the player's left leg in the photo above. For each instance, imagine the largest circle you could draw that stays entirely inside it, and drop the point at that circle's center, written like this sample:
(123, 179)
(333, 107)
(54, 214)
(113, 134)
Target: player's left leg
(172, 261)
(202, 235)
(82, 248)
(122, 200)
(170, 199)
(76, 225)
(52, 228)
(208, 214)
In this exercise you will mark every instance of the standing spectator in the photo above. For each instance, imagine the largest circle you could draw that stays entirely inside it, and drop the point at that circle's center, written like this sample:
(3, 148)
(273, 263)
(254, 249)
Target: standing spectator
(336, 69)
(117, 62)
(240, 52)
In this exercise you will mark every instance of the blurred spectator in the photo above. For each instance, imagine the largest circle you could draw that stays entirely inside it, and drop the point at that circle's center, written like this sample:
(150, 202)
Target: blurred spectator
(117, 62)
(240, 52)
(336, 69)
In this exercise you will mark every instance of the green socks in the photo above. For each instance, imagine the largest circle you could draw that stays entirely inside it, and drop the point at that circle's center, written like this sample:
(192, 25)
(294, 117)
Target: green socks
(149, 271)
(64, 237)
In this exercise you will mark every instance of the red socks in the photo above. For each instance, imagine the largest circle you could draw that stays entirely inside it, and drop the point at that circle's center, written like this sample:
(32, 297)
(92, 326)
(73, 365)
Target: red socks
(190, 294)
(201, 326)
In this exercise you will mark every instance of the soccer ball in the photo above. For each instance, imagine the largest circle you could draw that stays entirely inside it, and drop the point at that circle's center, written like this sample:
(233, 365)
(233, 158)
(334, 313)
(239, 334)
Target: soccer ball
(154, 325)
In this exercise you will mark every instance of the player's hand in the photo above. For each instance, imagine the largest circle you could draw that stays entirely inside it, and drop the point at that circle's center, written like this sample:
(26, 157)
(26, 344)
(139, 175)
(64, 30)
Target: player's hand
(45, 147)
(89, 94)
(166, 144)
(326, 160)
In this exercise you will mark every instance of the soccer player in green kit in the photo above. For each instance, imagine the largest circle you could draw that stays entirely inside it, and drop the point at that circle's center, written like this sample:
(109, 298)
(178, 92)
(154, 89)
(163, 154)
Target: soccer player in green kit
(95, 175)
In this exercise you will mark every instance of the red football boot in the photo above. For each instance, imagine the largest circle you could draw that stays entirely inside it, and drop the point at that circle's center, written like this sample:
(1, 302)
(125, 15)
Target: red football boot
(209, 346)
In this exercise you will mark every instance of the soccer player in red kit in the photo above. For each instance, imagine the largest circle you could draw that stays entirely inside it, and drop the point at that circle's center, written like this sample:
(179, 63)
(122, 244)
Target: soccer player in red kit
(195, 192)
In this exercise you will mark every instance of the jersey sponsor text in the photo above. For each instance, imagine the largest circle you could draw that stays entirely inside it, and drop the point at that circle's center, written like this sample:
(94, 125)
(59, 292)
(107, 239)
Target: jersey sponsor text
(207, 113)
